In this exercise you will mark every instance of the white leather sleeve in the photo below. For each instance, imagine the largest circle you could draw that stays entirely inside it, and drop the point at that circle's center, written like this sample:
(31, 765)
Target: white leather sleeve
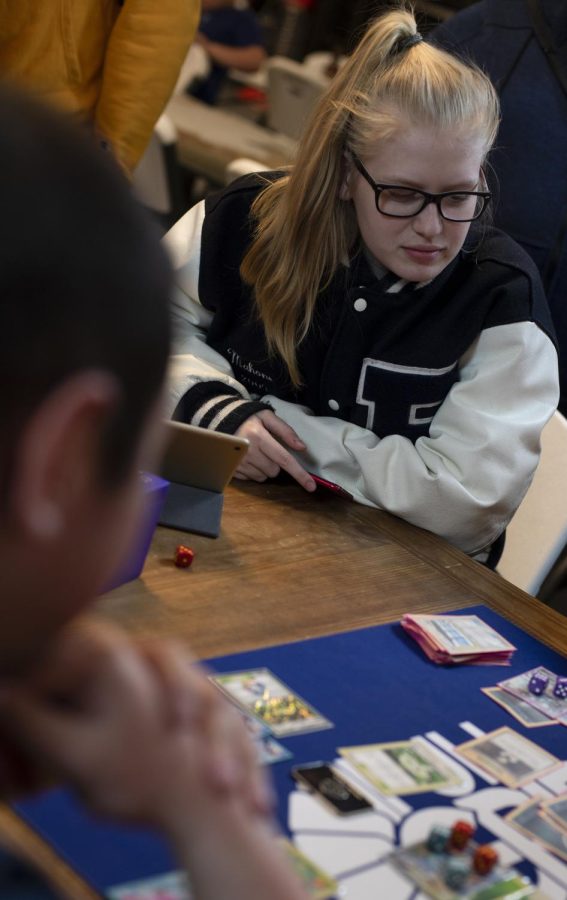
(465, 480)
(192, 360)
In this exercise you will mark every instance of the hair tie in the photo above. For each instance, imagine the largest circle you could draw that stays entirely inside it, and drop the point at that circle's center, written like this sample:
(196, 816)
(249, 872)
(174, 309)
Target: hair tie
(407, 42)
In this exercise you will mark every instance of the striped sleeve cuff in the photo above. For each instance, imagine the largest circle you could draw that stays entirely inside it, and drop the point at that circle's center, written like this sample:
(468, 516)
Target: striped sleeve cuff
(217, 406)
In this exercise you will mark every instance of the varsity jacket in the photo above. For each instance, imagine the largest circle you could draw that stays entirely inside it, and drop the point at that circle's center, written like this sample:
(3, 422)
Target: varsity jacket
(424, 400)
(113, 63)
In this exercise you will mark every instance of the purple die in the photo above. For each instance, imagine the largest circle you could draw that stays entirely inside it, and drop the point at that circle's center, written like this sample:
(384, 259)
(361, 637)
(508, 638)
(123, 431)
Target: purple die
(538, 683)
(560, 689)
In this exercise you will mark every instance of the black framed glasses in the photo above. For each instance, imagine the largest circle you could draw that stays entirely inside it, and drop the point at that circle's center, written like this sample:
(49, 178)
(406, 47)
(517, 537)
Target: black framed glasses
(401, 202)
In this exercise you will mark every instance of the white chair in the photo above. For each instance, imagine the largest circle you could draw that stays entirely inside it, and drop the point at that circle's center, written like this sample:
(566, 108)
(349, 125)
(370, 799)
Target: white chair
(208, 139)
(258, 79)
(322, 61)
(538, 532)
(196, 66)
(242, 166)
(293, 91)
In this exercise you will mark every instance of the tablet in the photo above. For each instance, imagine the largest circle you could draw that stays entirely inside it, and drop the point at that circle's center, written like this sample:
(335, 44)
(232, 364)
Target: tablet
(201, 458)
(199, 464)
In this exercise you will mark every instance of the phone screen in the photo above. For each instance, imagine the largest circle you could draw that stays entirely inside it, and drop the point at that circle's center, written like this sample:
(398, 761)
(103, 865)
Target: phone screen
(322, 779)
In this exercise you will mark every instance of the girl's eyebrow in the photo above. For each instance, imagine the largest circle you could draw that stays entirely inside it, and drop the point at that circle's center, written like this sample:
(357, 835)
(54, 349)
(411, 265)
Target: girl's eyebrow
(464, 186)
(408, 182)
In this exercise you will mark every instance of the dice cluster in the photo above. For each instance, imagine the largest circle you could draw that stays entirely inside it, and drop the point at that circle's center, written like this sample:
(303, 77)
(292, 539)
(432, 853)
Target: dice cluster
(458, 866)
(539, 682)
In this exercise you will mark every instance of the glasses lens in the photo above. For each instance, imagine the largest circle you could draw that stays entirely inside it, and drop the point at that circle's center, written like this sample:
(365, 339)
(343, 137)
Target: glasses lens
(406, 202)
(462, 207)
(399, 201)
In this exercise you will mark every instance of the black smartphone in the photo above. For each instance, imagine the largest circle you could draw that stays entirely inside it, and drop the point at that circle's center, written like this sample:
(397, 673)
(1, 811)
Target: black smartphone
(321, 778)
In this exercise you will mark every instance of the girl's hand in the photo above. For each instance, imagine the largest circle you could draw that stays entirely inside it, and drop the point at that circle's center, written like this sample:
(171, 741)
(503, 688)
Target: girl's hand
(266, 456)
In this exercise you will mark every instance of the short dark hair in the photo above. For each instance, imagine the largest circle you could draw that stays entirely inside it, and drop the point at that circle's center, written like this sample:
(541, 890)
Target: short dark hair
(84, 281)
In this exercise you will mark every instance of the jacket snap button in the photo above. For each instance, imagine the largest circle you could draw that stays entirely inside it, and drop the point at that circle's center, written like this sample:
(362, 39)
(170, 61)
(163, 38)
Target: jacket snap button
(333, 405)
(360, 304)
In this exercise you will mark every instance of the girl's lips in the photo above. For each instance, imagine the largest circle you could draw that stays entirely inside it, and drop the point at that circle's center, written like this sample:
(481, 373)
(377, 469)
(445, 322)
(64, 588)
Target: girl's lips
(423, 254)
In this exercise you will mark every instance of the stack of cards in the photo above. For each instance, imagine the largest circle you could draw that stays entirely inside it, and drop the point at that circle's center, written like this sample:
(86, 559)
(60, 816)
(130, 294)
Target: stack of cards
(269, 708)
(553, 708)
(458, 639)
(544, 821)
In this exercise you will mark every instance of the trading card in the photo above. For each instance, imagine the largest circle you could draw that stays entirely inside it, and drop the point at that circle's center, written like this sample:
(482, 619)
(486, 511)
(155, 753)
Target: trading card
(527, 715)
(428, 871)
(507, 756)
(261, 693)
(269, 750)
(317, 883)
(462, 634)
(171, 886)
(527, 819)
(400, 767)
(552, 706)
(331, 788)
(556, 810)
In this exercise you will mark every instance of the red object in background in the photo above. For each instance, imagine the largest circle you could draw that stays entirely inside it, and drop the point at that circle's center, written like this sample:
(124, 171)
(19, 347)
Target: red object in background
(250, 94)
(461, 833)
(300, 4)
(485, 858)
(183, 557)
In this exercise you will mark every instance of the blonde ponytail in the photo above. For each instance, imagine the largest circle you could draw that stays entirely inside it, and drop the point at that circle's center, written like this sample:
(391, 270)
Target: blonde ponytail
(304, 231)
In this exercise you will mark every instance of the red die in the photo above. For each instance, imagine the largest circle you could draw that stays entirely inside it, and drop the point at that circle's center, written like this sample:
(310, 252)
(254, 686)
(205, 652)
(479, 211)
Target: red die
(183, 556)
(485, 858)
(461, 833)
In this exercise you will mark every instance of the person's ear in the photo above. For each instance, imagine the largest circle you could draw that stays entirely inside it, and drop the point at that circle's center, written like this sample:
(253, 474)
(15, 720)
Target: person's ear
(57, 460)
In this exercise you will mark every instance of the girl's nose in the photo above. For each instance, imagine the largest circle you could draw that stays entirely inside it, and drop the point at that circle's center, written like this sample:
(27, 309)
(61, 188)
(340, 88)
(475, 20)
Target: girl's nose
(429, 221)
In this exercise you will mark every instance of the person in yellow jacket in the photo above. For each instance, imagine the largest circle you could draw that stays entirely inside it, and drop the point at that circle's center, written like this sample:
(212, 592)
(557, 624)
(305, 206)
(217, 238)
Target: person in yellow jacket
(111, 63)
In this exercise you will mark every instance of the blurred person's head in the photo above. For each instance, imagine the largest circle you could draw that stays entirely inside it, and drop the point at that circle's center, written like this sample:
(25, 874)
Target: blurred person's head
(84, 334)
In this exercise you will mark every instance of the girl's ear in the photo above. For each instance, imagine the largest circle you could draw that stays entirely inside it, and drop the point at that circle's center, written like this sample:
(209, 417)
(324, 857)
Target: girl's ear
(345, 192)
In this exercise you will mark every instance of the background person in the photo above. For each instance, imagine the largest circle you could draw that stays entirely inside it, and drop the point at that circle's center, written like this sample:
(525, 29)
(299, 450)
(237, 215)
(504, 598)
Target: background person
(111, 64)
(522, 45)
(232, 38)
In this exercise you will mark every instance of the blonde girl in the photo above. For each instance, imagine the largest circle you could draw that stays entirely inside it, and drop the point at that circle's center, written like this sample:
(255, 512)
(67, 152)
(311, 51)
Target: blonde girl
(357, 319)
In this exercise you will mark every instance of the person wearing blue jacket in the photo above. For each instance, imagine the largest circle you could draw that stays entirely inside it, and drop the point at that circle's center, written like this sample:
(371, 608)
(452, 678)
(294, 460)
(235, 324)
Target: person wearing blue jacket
(522, 46)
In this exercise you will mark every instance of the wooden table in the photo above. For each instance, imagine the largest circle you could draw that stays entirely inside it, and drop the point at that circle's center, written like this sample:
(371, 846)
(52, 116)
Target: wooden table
(290, 566)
